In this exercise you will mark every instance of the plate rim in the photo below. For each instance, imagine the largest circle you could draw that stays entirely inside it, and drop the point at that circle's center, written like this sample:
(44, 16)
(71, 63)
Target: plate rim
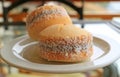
(97, 63)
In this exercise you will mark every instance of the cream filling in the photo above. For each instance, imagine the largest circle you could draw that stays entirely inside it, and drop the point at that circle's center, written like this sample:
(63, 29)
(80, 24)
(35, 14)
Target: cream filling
(65, 48)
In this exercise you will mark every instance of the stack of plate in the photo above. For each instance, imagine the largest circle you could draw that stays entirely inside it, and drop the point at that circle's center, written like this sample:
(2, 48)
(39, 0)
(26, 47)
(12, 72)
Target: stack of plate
(116, 24)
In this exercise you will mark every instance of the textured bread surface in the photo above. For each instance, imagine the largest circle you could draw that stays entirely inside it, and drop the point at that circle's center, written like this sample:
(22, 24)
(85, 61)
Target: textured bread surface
(67, 56)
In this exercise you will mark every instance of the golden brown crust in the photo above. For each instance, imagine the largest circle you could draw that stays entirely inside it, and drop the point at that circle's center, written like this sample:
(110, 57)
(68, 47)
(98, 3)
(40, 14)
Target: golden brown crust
(66, 56)
(45, 16)
(63, 31)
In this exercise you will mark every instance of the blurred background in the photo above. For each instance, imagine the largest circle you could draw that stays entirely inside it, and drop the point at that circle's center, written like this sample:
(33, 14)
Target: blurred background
(12, 24)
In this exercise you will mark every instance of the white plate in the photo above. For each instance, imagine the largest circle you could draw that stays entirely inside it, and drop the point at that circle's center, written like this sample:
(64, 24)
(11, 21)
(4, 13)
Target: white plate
(23, 53)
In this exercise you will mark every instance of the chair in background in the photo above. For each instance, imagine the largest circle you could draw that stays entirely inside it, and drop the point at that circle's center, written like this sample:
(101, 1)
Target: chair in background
(16, 3)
